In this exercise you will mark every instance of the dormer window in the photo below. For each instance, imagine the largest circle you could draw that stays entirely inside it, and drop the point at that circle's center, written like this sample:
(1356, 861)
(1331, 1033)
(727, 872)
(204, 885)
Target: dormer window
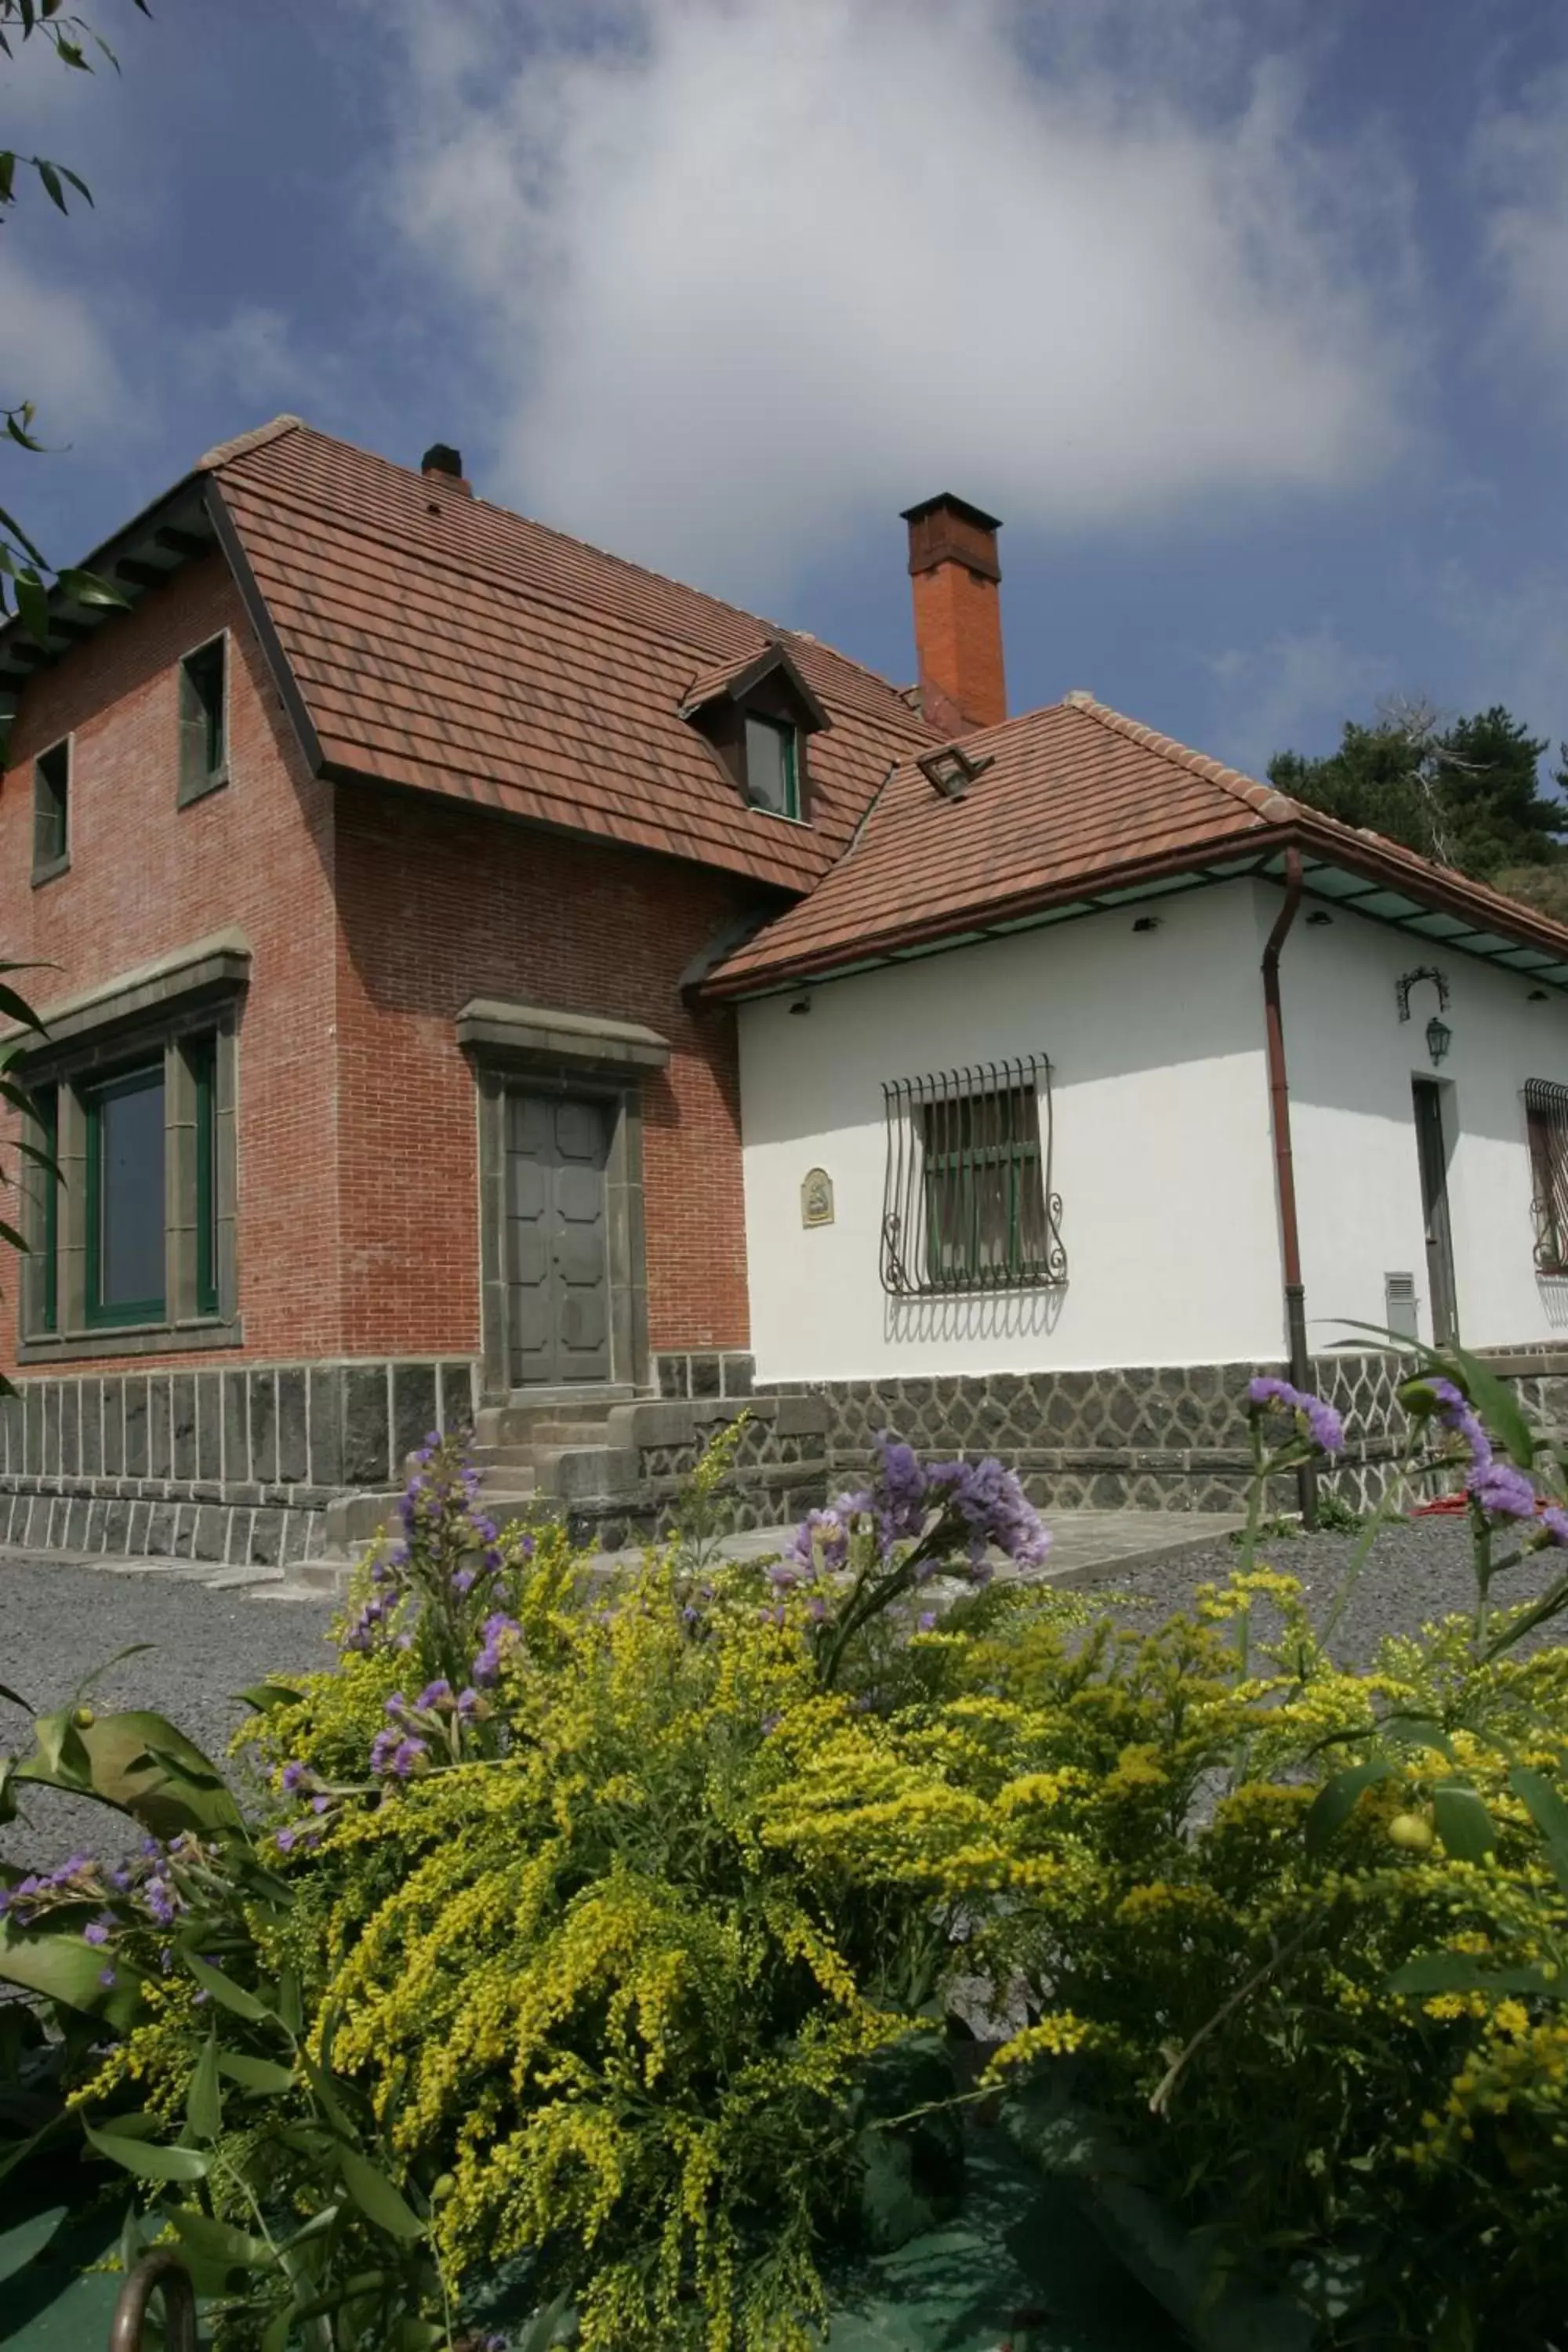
(757, 713)
(773, 765)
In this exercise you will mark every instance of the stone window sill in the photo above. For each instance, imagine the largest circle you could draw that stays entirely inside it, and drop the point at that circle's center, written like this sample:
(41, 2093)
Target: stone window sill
(189, 795)
(137, 1340)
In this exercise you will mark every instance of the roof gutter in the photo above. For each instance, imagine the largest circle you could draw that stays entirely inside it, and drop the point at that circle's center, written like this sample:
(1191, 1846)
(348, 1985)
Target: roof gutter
(1285, 1166)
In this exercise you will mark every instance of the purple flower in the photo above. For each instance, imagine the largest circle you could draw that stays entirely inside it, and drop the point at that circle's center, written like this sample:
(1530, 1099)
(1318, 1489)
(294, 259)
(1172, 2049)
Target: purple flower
(1501, 1491)
(108, 1979)
(97, 1931)
(994, 1511)
(1315, 1419)
(500, 1631)
(285, 1837)
(1455, 1412)
(927, 1620)
(295, 1776)
(821, 1541)
(782, 1578)
(322, 1804)
(1555, 1523)
(468, 1706)
(437, 1694)
(162, 1901)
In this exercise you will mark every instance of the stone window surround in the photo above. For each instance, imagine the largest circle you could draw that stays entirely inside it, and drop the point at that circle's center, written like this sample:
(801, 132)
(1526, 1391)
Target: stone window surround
(535, 1049)
(197, 990)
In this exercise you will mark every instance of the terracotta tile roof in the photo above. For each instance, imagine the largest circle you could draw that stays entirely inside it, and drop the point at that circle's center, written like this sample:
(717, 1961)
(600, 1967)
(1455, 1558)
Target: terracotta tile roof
(1075, 799)
(443, 642)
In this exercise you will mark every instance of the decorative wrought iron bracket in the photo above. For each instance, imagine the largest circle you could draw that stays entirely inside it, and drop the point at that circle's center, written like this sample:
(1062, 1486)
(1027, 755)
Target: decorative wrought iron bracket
(1408, 980)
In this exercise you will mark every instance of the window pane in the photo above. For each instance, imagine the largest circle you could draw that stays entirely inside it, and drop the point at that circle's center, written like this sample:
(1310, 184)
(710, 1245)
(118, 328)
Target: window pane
(769, 766)
(51, 790)
(47, 1240)
(985, 1212)
(203, 1061)
(131, 1192)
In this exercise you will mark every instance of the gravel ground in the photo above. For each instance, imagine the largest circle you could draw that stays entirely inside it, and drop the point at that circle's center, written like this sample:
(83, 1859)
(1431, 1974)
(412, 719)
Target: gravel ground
(57, 1622)
(1417, 1573)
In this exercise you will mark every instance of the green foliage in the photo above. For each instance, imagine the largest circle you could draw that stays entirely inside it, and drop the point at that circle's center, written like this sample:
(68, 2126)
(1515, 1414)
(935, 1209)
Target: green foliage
(1466, 792)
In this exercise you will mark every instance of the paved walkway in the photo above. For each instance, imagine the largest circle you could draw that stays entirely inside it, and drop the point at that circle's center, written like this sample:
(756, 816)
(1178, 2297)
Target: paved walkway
(1087, 1546)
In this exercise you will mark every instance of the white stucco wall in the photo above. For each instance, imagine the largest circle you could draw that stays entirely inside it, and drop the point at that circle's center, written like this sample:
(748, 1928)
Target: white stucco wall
(1161, 1151)
(1351, 1062)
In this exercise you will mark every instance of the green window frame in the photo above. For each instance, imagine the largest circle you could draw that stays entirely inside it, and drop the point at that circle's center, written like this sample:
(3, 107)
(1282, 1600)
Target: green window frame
(47, 1103)
(101, 1312)
(203, 1073)
(203, 719)
(52, 809)
(773, 751)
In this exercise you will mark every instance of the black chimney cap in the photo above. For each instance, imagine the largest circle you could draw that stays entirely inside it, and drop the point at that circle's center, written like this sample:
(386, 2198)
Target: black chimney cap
(440, 458)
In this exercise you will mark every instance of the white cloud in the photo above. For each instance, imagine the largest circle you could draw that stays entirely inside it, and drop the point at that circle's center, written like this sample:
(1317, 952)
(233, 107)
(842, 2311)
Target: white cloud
(1292, 694)
(742, 272)
(58, 356)
(1523, 157)
(253, 355)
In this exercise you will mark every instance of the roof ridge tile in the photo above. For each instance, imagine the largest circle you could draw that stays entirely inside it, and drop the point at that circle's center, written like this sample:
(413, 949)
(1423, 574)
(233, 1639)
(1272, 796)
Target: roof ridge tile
(223, 452)
(1273, 806)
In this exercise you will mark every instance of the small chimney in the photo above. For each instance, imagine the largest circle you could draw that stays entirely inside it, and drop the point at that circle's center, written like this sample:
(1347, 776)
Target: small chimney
(958, 613)
(440, 458)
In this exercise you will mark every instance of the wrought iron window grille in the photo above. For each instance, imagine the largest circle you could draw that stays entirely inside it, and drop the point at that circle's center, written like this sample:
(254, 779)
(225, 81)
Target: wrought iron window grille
(1546, 1124)
(967, 1201)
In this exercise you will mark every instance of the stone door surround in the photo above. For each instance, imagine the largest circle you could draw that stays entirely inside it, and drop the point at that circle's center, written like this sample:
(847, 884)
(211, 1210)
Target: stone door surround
(538, 1050)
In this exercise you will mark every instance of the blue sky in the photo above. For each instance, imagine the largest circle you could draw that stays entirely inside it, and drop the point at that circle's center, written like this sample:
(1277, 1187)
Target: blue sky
(1250, 320)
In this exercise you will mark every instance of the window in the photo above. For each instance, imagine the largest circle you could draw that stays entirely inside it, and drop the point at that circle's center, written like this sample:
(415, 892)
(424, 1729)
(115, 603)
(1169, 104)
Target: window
(202, 1058)
(203, 731)
(125, 1194)
(1546, 1122)
(773, 778)
(967, 1201)
(46, 1229)
(51, 811)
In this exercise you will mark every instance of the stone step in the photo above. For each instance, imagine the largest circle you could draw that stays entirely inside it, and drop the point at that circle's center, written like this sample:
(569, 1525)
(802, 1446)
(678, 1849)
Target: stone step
(515, 1424)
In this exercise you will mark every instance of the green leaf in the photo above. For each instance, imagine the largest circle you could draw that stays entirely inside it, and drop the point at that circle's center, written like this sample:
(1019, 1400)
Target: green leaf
(18, 2246)
(217, 2246)
(33, 605)
(1417, 1731)
(15, 1697)
(1496, 1402)
(51, 179)
(89, 588)
(1337, 1800)
(376, 2198)
(1436, 1972)
(1548, 1812)
(54, 1961)
(264, 1696)
(1462, 1822)
(204, 2099)
(225, 1992)
(112, 1760)
(259, 2075)
(147, 2160)
(17, 1007)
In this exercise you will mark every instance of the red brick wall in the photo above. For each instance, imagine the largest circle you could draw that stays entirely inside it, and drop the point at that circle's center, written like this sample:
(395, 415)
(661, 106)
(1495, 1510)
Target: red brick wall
(147, 877)
(371, 917)
(439, 904)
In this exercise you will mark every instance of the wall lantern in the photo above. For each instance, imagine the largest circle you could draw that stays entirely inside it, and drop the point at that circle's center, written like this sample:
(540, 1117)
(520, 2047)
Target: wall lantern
(1439, 1036)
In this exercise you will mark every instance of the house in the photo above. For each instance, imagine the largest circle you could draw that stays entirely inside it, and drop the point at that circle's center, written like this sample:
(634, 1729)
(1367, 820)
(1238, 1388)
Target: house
(491, 985)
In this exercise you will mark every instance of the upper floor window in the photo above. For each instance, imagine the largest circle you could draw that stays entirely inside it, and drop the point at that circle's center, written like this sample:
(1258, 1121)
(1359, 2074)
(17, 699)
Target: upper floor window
(203, 719)
(51, 811)
(773, 765)
(967, 1202)
(1546, 1124)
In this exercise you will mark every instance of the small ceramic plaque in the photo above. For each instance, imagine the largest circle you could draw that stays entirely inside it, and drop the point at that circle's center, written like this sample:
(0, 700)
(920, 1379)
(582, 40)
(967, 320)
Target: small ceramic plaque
(816, 1198)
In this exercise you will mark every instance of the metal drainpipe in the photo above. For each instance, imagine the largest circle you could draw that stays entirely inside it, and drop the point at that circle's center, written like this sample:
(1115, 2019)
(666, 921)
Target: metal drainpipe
(1285, 1168)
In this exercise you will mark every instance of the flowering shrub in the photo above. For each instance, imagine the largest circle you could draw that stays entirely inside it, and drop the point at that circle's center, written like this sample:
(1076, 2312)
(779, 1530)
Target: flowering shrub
(596, 1935)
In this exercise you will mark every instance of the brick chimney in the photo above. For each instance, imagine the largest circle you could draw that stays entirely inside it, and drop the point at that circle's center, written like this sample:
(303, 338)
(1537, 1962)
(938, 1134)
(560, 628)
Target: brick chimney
(447, 464)
(958, 613)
